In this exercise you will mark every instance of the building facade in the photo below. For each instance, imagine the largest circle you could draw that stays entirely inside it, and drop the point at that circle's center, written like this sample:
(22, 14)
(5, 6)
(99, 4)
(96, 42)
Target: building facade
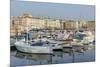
(27, 22)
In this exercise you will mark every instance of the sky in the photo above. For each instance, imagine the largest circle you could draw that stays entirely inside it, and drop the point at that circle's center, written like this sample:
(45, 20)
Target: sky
(53, 10)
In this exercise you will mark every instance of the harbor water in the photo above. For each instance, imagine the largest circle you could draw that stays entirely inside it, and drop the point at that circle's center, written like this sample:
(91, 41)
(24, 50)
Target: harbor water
(24, 59)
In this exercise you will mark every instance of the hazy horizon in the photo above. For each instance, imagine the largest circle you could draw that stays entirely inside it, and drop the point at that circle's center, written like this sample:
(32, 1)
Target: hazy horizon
(53, 10)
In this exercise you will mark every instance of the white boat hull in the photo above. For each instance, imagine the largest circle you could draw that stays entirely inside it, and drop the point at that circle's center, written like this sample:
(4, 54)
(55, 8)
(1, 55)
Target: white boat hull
(33, 49)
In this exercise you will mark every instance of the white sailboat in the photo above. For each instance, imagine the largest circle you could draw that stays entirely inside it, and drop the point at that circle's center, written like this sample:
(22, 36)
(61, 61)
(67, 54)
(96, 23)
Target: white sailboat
(28, 46)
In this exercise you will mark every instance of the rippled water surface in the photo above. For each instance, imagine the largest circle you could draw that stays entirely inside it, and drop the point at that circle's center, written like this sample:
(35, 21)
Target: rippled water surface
(24, 59)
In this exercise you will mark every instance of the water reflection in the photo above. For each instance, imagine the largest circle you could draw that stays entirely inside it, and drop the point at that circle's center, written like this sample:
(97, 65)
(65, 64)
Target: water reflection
(34, 57)
(21, 59)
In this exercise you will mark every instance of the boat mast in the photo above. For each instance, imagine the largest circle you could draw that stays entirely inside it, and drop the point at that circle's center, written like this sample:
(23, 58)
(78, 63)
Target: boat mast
(26, 28)
(27, 32)
(16, 31)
